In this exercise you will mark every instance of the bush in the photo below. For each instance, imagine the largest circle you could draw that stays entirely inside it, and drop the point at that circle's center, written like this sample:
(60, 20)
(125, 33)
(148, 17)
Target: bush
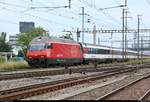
(14, 59)
(14, 65)
(2, 59)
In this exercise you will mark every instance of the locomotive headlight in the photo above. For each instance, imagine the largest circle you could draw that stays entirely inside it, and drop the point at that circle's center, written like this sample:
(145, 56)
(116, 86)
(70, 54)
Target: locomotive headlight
(42, 56)
(30, 57)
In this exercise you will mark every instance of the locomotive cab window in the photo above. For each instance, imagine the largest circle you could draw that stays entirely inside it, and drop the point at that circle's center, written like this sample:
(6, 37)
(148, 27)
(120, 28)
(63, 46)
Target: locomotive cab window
(37, 47)
(48, 46)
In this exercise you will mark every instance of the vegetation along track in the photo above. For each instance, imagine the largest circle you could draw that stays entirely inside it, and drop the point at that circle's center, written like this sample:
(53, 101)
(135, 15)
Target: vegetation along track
(136, 90)
(37, 89)
(47, 72)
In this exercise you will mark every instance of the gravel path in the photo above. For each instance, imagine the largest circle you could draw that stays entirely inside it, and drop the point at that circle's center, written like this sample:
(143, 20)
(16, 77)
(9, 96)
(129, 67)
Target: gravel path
(92, 95)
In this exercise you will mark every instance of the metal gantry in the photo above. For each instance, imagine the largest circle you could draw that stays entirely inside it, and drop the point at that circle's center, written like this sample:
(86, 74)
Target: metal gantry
(114, 31)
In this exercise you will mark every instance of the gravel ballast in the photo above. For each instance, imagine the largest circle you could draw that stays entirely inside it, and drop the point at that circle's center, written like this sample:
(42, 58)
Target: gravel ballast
(95, 93)
(9, 84)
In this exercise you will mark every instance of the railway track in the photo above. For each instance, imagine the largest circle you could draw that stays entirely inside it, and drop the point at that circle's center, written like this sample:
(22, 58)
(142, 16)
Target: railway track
(136, 90)
(18, 75)
(48, 72)
(146, 96)
(33, 90)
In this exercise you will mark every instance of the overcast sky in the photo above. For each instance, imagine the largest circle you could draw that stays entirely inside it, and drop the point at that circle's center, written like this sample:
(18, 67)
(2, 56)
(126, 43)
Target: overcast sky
(56, 20)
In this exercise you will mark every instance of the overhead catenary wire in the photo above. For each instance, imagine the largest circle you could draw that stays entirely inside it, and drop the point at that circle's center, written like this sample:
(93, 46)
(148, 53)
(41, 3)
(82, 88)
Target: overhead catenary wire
(100, 21)
(55, 13)
(148, 1)
(102, 11)
(75, 12)
(31, 15)
(90, 15)
(18, 6)
(37, 17)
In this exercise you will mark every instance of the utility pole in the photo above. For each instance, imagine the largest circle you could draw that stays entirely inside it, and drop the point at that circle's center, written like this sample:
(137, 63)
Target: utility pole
(69, 4)
(125, 45)
(111, 45)
(126, 21)
(123, 28)
(138, 35)
(134, 39)
(94, 35)
(141, 47)
(83, 14)
(78, 34)
(83, 24)
(126, 28)
(123, 10)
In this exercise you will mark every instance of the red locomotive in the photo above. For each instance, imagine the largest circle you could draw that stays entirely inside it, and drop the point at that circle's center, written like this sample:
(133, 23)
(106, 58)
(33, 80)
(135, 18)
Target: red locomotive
(51, 51)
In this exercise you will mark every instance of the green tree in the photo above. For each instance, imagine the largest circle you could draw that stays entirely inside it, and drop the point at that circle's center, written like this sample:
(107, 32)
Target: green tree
(25, 38)
(3, 36)
(4, 46)
(67, 36)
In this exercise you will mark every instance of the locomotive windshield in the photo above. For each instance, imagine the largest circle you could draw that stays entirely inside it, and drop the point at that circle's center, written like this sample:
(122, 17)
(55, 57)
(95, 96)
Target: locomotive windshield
(39, 46)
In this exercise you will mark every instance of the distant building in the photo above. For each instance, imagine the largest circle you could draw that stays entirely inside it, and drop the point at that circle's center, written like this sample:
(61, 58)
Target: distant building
(13, 43)
(25, 26)
(13, 40)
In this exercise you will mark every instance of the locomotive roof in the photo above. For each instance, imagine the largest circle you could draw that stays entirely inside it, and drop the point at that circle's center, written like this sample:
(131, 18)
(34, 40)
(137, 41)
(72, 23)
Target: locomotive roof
(52, 39)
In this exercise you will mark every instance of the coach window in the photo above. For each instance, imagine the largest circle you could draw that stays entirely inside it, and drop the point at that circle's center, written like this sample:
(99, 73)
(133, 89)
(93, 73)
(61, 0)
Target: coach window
(93, 51)
(90, 51)
(99, 51)
(103, 51)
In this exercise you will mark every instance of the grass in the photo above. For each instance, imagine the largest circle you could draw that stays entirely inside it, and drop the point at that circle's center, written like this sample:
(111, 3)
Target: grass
(9, 66)
(20, 65)
(133, 61)
(2, 59)
(136, 61)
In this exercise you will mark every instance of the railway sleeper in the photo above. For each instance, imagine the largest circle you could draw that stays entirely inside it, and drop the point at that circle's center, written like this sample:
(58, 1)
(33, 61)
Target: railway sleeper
(59, 87)
(29, 95)
(50, 89)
